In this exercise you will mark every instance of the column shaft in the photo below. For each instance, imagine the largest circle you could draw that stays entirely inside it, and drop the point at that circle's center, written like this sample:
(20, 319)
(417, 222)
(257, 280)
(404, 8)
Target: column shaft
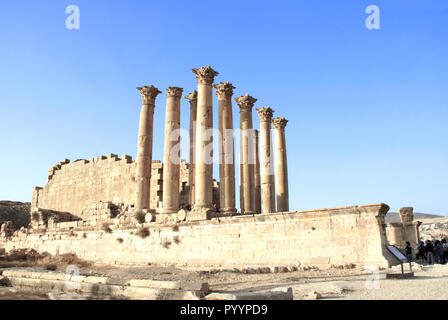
(144, 151)
(257, 175)
(193, 98)
(204, 139)
(171, 159)
(281, 166)
(224, 91)
(266, 161)
(248, 153)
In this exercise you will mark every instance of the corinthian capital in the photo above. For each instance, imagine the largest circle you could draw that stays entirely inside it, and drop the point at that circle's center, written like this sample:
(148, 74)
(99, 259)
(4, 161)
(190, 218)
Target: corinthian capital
(149, 94)
(265, 114)
(174, 92)
(205, 75)
(245, 102)
(192, 96)
(279, 123)
(224, 90)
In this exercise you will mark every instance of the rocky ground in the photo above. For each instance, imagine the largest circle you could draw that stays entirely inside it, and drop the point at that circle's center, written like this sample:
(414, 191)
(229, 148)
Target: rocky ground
(429, 282)
(434, 229)
(17, 212)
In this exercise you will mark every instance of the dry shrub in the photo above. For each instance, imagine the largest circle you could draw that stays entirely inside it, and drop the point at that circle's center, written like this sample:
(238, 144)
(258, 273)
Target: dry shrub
(31, 258)
(66, 259)
(16, 255)
(166, 244)
(140, 216)
(143, 232)
(120, 240)
(84, 235)
(50, 267)
(176, 240)
(35, 216)
(175, 228)
(106, 227)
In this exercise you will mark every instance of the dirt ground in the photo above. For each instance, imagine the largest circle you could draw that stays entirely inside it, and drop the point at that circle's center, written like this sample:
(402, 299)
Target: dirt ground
(429, 282)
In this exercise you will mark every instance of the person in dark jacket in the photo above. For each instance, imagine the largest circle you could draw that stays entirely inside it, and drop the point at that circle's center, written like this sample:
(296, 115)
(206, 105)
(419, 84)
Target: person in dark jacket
(445, 251)
(429, 250)
(409, 251)
(438, 252)
(421, 251)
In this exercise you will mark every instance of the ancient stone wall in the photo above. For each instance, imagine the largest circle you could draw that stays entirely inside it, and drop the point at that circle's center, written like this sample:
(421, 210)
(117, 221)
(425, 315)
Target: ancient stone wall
(398, 233)
(339, 236)
(74, 187)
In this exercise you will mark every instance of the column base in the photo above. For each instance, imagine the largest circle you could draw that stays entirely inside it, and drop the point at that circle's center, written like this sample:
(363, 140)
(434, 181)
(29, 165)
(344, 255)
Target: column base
(166, 218)
(249, 213)
(228, 211)
(168, 211)
(200, 213)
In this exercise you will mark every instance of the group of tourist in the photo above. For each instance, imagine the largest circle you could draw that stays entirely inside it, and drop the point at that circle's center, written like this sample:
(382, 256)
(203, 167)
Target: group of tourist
(430, 252)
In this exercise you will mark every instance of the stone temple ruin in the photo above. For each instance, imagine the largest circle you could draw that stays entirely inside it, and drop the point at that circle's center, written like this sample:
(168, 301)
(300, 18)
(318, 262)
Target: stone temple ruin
(98, 208)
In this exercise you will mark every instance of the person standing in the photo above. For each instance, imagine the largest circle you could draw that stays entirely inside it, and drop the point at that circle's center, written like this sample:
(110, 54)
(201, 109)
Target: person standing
(421, 251)
(438, 252)
(409, 251)
(445, 251)
(429, 250)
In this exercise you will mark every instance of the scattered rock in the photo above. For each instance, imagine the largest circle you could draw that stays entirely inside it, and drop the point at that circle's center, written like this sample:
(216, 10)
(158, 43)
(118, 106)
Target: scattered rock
(4, 282)
(314, 295)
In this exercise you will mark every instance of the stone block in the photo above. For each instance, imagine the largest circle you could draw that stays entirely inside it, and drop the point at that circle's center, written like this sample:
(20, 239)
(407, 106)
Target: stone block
(247, 295)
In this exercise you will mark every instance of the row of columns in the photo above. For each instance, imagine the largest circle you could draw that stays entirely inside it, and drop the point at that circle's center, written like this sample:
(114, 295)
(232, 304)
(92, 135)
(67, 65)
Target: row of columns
(257, 185)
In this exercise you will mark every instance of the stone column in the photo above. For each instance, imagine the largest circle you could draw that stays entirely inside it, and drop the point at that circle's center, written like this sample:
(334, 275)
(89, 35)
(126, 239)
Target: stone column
(204, 141)
(281, 165)
(171, 158)
(144, 151)
(224, 92)
(257, 175)
(193, 98)
(266, 161)
(246, 104)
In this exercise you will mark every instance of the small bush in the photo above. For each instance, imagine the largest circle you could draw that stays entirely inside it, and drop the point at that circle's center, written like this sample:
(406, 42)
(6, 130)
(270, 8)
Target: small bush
(35, 216)
(140, 216)
(120, 240)
(50, 267)
(175, 228)
(176, 240)
(143, 233)
(106, 227)
(114, 210)
(166, 244)
(84, 235)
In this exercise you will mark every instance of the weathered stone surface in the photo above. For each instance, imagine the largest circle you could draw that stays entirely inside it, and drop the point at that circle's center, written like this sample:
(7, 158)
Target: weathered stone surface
(406, 214)
(94, 289)
(181, 285)
(314, 295)
(352, 236)
(268, 295)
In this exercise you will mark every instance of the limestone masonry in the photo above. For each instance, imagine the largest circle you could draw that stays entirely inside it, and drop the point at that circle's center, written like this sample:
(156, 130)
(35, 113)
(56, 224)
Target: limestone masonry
(116, 210)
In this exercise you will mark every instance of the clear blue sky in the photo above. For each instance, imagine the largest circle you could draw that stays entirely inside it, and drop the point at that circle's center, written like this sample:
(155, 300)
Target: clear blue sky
(368, 109)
